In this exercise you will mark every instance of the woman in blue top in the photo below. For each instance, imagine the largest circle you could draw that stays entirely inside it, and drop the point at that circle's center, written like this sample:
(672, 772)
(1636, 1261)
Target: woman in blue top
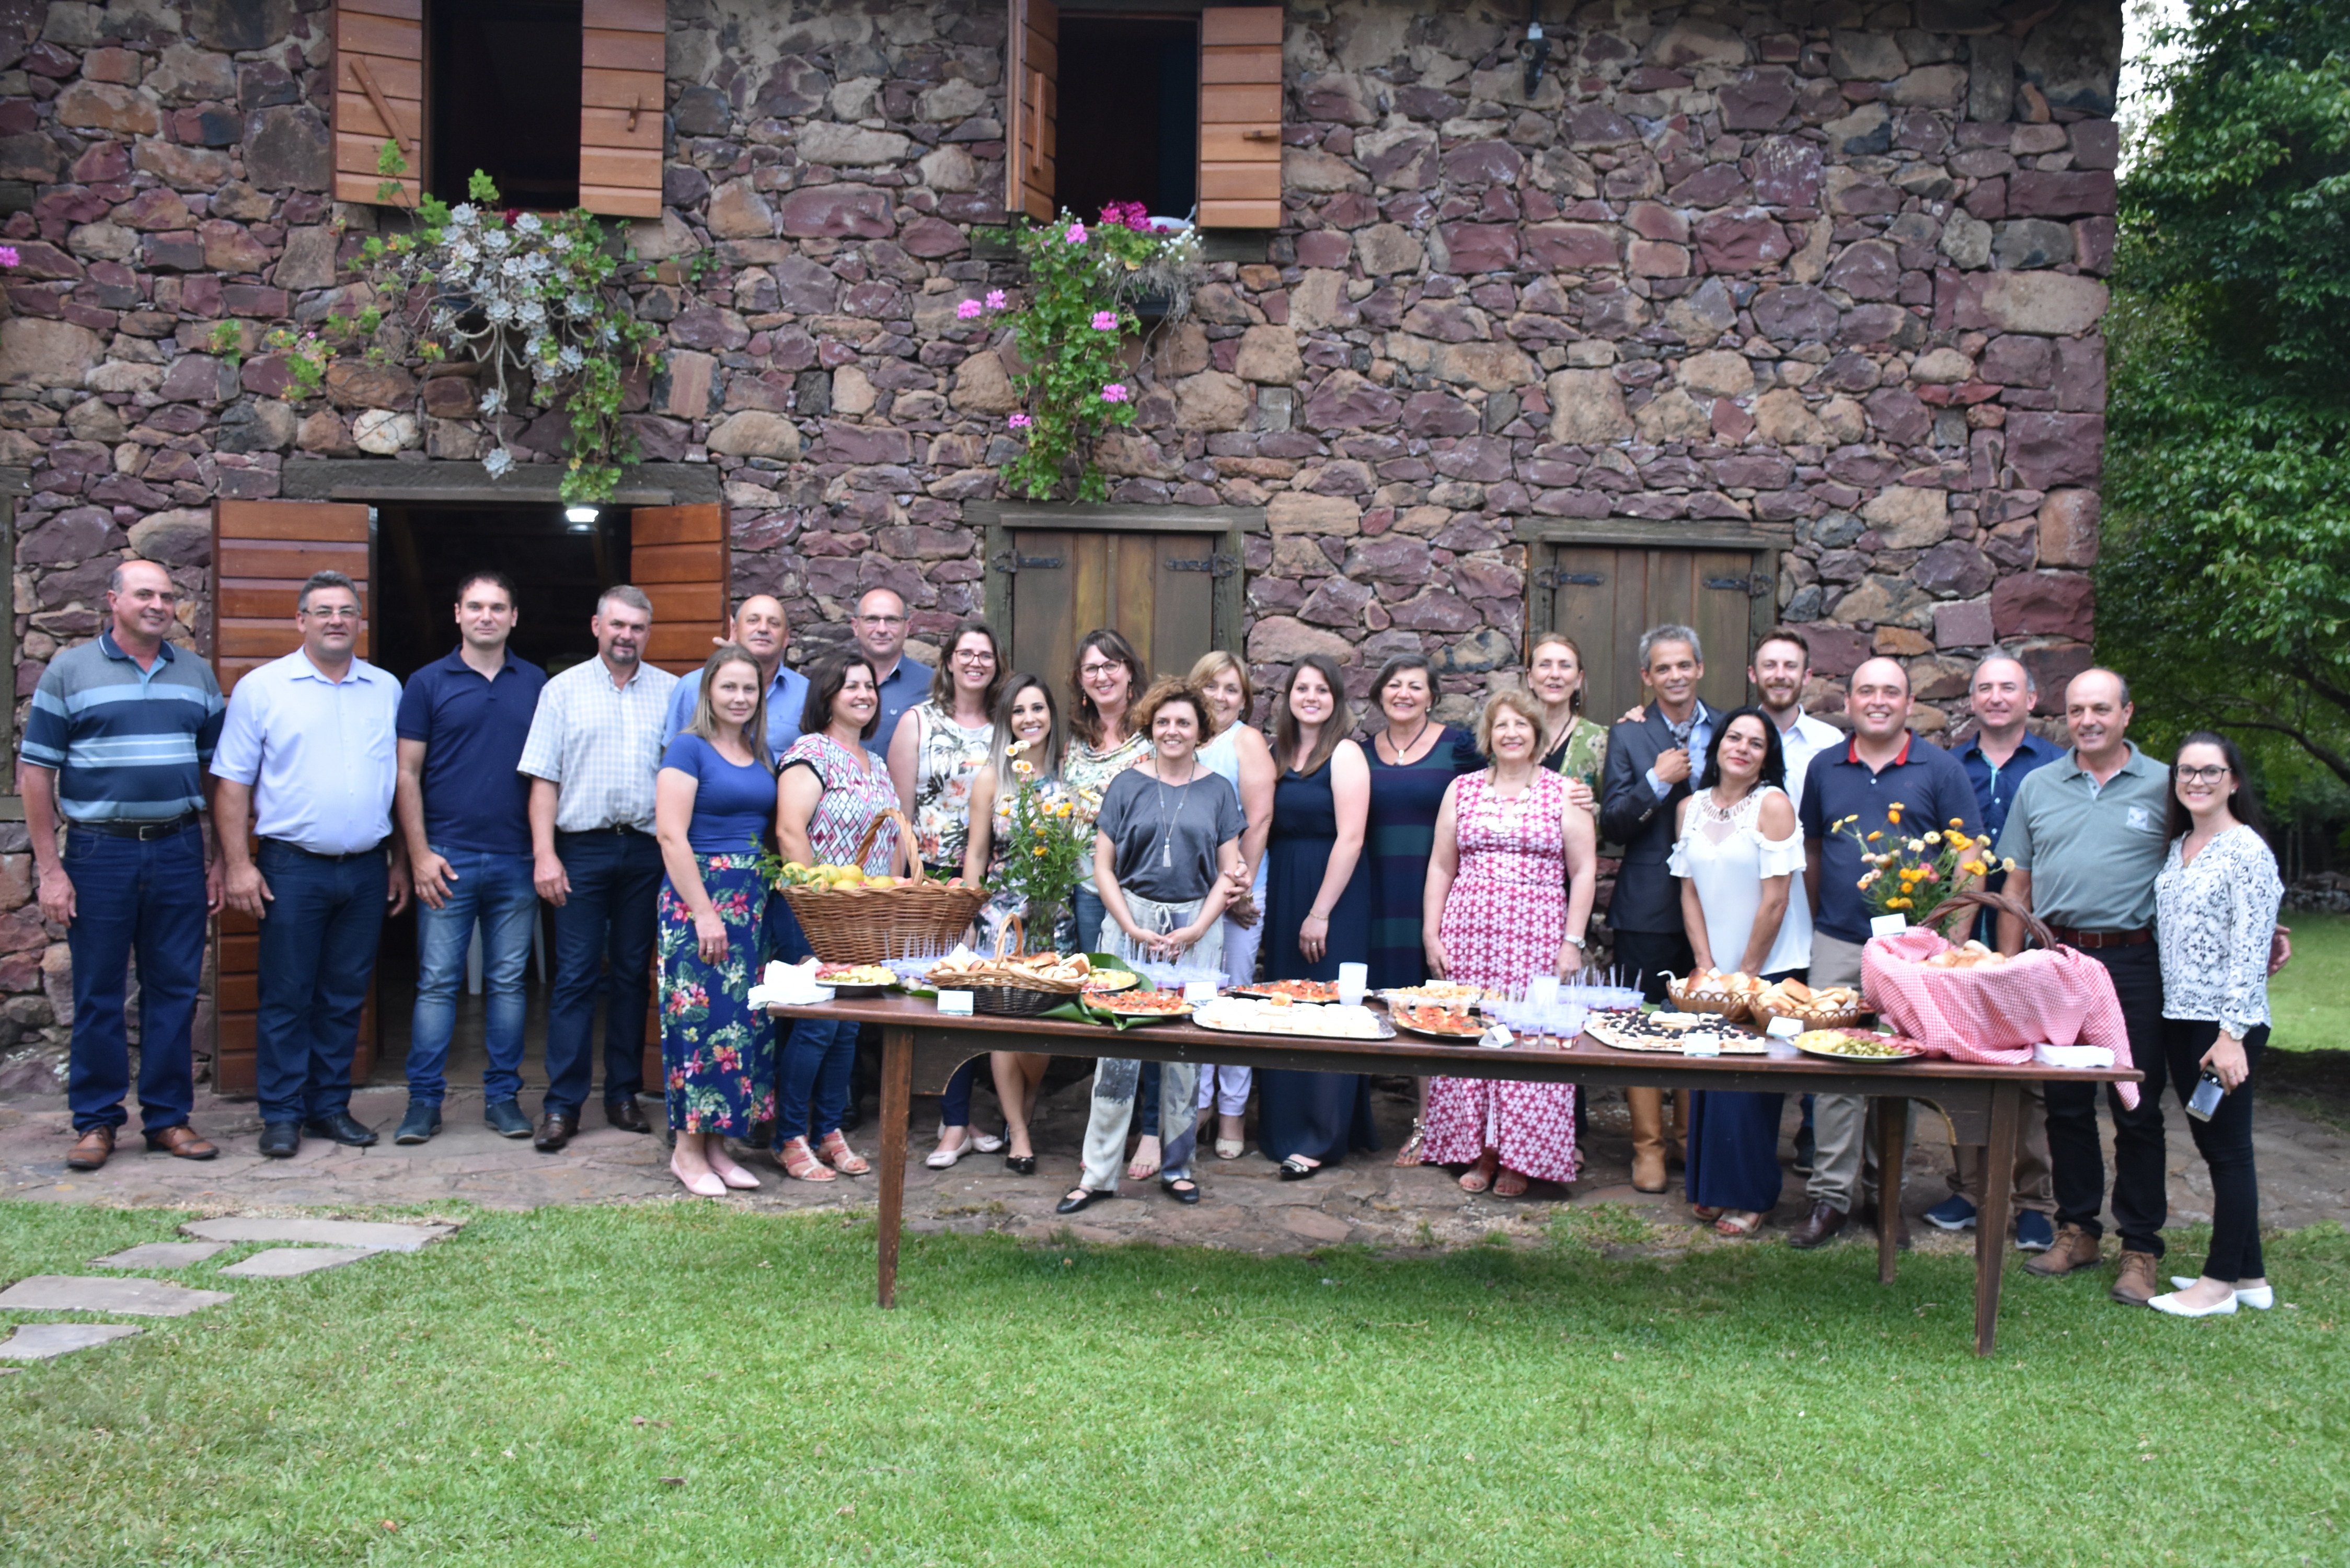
(712, 803)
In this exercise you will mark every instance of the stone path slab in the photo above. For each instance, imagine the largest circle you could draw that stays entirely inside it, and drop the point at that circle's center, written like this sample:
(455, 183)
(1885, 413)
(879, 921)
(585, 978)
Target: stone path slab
(292, 1263)
(75, 1293)
(47, 1341)
(160, 1255)
(371, 1235)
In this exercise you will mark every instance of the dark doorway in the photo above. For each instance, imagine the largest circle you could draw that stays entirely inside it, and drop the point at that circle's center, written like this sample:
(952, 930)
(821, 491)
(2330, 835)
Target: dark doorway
(557, 568)
(1129, 114)
(506, 87)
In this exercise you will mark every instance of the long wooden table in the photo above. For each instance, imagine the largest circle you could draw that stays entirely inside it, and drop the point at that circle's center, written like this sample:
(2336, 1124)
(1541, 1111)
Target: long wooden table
(922, 1047)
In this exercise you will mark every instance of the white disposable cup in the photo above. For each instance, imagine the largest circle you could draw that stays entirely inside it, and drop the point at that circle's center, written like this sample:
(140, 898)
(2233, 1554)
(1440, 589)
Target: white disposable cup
(1354, 978)
(1542, 989)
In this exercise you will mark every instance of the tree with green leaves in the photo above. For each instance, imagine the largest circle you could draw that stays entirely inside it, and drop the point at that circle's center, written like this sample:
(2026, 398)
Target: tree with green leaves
(2225, 586)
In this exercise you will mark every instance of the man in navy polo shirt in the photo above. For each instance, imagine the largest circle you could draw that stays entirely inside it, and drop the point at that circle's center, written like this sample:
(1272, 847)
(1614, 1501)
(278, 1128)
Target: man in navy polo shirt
(1884, 765)
(120, 732)
(466, 812)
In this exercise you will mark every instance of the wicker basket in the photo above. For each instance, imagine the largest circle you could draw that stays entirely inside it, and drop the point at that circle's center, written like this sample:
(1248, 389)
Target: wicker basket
(868, 925)
(1730, 1005)
(1812, 1018)
(1975, 898)
(1010, 991)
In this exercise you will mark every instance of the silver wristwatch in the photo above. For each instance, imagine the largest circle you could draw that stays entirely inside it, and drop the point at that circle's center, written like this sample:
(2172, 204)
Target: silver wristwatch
(1580, 944)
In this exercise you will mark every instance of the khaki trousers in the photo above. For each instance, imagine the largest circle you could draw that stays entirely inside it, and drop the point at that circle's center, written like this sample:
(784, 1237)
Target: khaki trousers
(1843, 1126)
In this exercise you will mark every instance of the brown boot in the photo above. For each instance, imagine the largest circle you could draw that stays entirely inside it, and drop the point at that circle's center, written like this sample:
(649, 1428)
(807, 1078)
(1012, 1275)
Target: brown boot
(2138, 1284)
(90, 1149)
(2075, 1248)
(1678, 1152)
(1648, 1108)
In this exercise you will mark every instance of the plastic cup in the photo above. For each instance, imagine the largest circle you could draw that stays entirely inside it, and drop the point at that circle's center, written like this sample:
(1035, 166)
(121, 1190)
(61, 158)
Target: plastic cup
(1354, 978)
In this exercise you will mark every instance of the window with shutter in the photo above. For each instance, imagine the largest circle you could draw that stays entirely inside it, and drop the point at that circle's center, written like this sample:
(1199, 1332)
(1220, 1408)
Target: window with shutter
(677, 554)
(1032, 93)
(1240, 117)
(624, 56)
(379, 94)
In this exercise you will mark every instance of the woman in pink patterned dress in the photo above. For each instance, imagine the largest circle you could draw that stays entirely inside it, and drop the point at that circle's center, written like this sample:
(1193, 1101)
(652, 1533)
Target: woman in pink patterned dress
(1508, 894)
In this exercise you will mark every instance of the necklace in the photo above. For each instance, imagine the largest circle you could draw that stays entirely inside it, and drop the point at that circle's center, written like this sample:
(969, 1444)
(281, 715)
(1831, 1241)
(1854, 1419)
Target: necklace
(1403, 749)
(1166, 820)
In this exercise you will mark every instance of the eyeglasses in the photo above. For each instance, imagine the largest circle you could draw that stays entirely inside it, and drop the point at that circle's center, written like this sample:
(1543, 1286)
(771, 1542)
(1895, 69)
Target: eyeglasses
(1089, 671)
(881, 620)
(975, 656)
(331, 613)
(2209, 776)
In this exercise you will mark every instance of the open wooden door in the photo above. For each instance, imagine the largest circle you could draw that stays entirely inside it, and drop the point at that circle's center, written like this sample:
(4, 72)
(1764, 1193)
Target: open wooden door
(263, 551)
(1240, 117)
(1032, 76)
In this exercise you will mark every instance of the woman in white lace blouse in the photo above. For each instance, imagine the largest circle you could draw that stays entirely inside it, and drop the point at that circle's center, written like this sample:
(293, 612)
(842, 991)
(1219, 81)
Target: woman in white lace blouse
(2215, 910)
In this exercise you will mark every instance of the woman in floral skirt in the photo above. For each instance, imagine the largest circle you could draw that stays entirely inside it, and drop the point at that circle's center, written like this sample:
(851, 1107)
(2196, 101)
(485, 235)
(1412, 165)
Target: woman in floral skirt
(712, 806)
(1509, 895)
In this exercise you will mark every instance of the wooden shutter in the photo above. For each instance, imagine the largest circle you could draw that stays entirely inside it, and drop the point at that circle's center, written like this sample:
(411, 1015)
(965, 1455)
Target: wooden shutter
(1157, 589)
(1032, 93)
(623, 60)
(1240, 117)
(1606, 594)
(677, 555)
(262, 553)
(379, 94)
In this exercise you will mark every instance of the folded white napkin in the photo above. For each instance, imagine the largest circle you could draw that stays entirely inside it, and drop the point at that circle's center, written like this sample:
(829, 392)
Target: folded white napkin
(789, 985)
(2073, 1056)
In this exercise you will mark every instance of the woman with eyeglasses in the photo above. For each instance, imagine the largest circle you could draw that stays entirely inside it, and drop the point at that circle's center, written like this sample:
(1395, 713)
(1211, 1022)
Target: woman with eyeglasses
(938, 751)
(2216, 904)
(1027, 734)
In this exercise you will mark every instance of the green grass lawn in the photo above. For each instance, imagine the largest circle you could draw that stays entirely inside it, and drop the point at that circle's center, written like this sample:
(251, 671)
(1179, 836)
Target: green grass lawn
(685, 1385)
(2308, 1004)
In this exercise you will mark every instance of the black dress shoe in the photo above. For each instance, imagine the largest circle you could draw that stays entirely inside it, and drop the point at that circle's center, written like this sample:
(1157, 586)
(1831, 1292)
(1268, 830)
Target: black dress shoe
(555, 1129)
(1020, 1164)
(281, 1141)
(1084, 1198)
(625, 1116)
(1823, 1222)
(342, 1128)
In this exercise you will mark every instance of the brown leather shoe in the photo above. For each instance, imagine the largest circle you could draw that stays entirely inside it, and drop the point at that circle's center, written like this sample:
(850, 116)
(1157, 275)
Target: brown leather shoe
(626, 1116)
(90, 1149)
(555, 1129)
(2138, 1284)
(2075, 1248)
(180, 1143)
(1823, 1222)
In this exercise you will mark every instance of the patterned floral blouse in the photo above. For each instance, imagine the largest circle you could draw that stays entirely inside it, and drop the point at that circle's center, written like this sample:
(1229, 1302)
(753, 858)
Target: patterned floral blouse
(2214, 916)
(949, 759)
(1581, 752)
(854, 795)
(1087, 773)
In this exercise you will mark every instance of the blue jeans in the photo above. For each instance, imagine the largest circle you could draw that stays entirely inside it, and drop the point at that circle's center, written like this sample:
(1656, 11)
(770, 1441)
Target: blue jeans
(613, 913)
(818, 1061)
(1090, 916)
(497, 890)
(319, 935)
(148, 899)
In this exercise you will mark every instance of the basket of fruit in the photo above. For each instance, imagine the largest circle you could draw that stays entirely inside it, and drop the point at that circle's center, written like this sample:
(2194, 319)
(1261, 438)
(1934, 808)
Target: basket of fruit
(850, 916)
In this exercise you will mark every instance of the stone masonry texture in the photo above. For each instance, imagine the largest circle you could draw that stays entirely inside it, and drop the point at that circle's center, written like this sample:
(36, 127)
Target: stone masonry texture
(1825, 271)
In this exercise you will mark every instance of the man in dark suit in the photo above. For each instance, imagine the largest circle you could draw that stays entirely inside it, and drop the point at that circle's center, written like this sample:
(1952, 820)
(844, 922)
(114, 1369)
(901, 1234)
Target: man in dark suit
(1650, 766)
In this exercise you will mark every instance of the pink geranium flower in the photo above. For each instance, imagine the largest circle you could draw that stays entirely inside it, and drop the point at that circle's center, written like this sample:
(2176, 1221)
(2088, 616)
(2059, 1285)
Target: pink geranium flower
(968, 310)
(8, 257)
(1018, 421)
(1077, 235)
(1116, 393)
(994, 299)
(1105, 320)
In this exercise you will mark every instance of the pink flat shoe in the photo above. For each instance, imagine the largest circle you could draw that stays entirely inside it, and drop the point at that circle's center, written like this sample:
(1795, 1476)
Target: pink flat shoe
(704, 1184)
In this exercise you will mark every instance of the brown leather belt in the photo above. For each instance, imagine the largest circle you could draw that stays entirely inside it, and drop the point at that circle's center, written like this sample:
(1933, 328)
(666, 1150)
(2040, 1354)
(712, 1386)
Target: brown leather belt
(2089, 941)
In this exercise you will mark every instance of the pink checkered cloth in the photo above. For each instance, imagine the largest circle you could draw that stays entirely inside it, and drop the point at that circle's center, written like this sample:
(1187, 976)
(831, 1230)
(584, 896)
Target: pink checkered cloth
(2056, 996)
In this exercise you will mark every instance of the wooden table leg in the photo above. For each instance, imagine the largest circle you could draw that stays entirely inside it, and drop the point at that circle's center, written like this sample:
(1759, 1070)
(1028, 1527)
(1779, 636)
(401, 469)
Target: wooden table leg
(896, 1106)
(1892, 1147)
(1991, 1219)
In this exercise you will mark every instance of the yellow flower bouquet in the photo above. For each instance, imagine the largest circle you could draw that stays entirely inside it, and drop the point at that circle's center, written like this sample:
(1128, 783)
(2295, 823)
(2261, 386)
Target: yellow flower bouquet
(1912, 875)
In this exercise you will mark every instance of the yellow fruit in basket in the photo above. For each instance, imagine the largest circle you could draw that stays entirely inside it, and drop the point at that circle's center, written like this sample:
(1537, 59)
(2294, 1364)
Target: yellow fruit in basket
(880, 881)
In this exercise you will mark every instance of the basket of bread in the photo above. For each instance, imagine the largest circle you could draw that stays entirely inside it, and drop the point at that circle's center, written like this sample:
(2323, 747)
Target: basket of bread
(1015, 985)
(1711, 991)
(1822, 1007)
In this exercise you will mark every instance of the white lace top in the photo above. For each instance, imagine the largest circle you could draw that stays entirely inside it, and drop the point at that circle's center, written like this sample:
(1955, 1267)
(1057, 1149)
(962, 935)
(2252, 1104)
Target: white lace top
(2213, 918)
(1725, 854)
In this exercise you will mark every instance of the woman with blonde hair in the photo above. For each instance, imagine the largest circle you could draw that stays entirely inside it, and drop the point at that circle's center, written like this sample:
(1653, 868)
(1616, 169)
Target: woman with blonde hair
(1103, 743)
(712, 801)
(1509, 898)
(1237, 751)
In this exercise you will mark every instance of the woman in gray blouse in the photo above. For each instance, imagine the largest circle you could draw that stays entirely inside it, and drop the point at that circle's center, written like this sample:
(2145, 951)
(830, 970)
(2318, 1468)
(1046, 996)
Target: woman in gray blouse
(2215, 910)
(1165, 852)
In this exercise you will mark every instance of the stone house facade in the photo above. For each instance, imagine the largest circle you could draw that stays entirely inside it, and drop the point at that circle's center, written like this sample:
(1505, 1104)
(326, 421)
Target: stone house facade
(1811, 284)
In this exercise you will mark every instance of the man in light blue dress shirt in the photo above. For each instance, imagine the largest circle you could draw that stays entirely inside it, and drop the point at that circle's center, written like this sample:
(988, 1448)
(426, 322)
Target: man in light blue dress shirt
(308, 761)
(760, 627)
(880, 625)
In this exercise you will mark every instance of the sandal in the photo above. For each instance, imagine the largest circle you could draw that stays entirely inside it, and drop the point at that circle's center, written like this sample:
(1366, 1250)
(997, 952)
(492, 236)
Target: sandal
(1738, 1222)
(840, 1157)
(1231, 1148)
(1141, 1170)
(1297, 1167)
(1477, 1177)
(800, 1162)
(1707, 1212)
(1409, 1153)
(1509, 1184)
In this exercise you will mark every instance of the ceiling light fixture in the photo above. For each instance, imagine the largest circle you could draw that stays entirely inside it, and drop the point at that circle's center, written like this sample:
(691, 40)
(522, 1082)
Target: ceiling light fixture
(581, 517)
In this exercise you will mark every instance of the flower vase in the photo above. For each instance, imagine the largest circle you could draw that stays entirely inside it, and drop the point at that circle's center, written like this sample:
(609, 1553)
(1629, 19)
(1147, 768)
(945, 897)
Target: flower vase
(1040, 930)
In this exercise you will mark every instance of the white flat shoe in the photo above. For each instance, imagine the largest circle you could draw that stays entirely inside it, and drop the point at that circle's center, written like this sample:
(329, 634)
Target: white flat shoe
(944, 1158)
(2176, 1308)
(2259, 1298)
(985, 1143)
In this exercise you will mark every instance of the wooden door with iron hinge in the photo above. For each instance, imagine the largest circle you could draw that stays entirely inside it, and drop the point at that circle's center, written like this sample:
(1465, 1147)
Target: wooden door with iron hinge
(263, 552)
(1158, 590)
(1606, 594)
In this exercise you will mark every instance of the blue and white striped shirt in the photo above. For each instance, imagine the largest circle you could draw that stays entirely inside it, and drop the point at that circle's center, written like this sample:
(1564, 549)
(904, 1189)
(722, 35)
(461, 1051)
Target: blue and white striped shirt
(127, 744)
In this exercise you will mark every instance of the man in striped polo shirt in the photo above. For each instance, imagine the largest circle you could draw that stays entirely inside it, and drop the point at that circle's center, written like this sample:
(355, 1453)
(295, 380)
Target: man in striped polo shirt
(120, 732)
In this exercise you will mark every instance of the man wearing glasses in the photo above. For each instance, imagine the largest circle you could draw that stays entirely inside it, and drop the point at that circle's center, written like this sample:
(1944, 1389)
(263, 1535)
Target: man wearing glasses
(880, 626)
(308, 760)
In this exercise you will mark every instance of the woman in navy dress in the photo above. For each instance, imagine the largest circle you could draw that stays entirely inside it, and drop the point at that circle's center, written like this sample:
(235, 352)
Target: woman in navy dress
(1318, 908)
(1412, 759)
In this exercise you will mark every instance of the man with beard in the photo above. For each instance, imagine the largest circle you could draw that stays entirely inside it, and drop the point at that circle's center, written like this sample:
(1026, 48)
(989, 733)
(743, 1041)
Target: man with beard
(1782, 664)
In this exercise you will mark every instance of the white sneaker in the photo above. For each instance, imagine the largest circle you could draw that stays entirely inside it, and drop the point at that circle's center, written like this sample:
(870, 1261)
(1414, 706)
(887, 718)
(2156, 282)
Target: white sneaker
(2177, 1308)
(2259, 1298)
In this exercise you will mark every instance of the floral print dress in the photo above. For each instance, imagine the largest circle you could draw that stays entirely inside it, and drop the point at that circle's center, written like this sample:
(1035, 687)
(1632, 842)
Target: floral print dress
(949, 760)
(718, 1053)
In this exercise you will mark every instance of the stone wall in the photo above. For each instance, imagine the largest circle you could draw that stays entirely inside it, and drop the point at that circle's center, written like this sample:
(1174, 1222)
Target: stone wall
(1827, 270)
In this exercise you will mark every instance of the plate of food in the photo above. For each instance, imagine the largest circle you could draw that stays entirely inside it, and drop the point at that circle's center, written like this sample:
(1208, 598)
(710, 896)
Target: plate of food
(1437, 993)
(1859, 1045)
(1672, 1033)
(1313, 991)
(1140, 1006)
(1247, 1015)
(1436, 1021)
(855, 979)
(1102, 982)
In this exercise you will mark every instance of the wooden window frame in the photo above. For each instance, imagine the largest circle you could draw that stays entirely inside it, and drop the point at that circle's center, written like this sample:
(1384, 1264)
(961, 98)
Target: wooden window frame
(1230, 526)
